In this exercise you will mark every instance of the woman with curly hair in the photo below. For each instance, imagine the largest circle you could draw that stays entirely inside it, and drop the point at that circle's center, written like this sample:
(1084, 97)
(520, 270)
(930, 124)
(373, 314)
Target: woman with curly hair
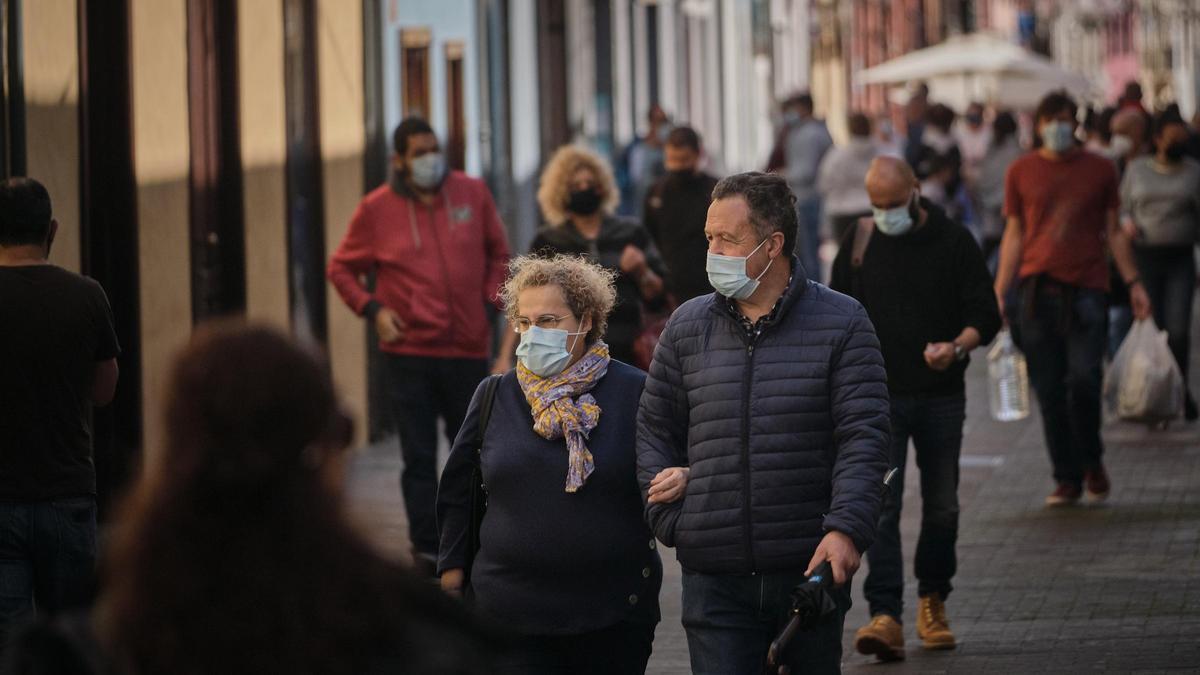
(578, 197)
(565, 558)
(234, 555)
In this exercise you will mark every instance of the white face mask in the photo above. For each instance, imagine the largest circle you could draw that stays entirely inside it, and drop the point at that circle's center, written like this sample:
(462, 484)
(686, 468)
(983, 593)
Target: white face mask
(1058, 136)
(894, 222)
(727, 274)
(544, 350)
(428, 170)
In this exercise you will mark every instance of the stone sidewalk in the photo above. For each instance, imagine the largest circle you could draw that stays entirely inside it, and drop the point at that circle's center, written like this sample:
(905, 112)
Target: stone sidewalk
(1113, 588)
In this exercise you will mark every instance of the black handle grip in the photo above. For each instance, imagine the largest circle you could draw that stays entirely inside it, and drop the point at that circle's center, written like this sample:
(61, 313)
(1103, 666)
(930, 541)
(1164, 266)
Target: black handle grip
(822, 576)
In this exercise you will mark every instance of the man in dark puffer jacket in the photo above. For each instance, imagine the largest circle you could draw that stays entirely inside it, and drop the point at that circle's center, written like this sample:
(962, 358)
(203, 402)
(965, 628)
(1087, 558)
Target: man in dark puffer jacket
(773, 393)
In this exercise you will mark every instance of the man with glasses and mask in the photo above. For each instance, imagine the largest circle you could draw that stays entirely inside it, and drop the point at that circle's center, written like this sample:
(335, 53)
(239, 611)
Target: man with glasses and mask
(438, 250)
(772, 390)
(925, 285)
(1061, 203)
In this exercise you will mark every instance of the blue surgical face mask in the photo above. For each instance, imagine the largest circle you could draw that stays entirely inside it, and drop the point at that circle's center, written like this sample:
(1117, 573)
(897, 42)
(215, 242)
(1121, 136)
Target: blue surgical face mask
(428, 170)
(544, 350)
(894, 222)
(727, 274)
(1058, 136)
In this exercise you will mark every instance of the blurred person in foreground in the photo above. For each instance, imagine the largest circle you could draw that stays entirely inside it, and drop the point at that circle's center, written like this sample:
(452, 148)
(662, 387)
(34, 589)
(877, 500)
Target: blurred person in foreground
(1160, 197)
(59, 350)
(579, 197)
(674, 215)
(927, 290)
(565, 559)
(840, 180)
(1061, 206)
(435, 242)
(772, 390)
(235, 554)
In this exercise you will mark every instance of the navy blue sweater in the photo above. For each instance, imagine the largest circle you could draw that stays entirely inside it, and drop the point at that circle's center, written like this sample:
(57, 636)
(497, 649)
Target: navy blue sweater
(553, 563)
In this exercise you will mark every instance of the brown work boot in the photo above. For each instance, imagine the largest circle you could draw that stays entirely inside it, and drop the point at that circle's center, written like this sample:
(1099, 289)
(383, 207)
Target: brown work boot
(932, 627)
(883, 637)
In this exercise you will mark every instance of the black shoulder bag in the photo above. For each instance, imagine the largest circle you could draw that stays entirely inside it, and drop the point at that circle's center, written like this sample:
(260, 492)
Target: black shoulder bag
(478, 489)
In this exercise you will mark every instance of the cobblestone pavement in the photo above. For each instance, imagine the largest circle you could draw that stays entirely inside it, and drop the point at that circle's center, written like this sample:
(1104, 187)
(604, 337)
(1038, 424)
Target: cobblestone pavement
(1111, 588)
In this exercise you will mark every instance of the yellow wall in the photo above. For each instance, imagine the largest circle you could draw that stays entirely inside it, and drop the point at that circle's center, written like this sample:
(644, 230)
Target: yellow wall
(52, 115)
(339, 54)
(161, 166)
(264, 157)
(160, 140)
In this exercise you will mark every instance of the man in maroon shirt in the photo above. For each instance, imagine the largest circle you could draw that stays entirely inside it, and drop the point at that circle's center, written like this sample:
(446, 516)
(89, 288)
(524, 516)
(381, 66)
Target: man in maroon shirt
(439, 253)
(1061, 207)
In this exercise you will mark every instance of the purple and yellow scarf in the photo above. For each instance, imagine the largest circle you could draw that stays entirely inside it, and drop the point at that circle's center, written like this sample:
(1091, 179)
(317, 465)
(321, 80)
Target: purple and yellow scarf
(562, 407)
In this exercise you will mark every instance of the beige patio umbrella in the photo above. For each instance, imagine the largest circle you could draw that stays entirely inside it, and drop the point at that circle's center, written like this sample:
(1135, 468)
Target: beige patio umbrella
(980, 67)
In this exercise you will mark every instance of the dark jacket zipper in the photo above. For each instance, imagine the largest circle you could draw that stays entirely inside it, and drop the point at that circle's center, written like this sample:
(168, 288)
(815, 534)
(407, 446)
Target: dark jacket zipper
(747, 378)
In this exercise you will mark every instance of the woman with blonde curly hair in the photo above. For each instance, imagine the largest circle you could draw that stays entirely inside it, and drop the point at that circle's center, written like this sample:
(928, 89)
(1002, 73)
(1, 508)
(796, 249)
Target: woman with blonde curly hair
(565, 559)
(578, 197)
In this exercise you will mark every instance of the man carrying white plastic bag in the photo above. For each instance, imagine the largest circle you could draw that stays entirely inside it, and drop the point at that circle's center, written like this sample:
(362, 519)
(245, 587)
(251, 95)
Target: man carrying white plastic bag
(1144, 383)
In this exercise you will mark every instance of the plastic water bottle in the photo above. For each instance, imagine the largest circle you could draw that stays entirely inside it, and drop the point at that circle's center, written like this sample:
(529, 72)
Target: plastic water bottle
(1008, 380)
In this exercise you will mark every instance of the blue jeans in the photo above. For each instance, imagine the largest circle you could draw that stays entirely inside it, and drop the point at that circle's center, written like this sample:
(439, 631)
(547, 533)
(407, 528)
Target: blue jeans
(47, 558)
(935, 424)
(1063, 335)
(731, 621)
(808, 236)
(1169, 274)
(424, 389)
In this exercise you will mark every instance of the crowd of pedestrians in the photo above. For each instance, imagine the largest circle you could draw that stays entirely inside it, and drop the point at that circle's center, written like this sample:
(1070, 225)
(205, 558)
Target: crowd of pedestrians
(751, 431)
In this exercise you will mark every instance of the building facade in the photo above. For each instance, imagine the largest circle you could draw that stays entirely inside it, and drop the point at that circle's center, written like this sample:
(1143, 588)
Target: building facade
(204, 157)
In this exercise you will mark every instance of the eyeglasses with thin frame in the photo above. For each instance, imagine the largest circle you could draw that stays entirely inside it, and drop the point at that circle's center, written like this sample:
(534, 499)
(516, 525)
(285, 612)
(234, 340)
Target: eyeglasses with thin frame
(545, 322)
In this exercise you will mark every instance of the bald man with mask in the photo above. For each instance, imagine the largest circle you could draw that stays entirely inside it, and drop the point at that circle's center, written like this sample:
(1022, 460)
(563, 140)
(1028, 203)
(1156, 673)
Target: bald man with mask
(925, 286)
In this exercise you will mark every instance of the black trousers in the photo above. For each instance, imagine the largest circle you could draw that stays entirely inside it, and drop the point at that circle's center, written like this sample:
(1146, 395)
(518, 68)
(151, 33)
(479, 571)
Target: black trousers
(424, 389)
(622, 649)
(935, 425)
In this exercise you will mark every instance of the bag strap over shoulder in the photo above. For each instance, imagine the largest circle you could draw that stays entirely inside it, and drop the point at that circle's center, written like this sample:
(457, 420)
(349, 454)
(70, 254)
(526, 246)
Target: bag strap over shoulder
(862, 238)
(490, 385)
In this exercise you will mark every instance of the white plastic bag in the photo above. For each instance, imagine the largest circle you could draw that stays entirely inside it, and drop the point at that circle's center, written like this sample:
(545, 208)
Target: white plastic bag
(1143, 383)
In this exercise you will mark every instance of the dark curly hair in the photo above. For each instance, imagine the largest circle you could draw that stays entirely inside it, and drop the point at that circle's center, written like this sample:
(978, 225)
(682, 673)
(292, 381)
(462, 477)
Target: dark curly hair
(772, 204)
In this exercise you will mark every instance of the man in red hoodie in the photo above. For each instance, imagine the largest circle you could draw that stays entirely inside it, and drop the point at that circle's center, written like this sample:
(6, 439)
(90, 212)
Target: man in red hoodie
(439, 252)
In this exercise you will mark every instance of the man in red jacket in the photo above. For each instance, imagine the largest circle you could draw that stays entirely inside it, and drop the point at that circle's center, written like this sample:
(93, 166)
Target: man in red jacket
(439, 252)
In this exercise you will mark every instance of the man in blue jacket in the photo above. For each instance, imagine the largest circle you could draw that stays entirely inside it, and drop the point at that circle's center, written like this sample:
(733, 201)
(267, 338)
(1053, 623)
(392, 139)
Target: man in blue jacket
(772, 392)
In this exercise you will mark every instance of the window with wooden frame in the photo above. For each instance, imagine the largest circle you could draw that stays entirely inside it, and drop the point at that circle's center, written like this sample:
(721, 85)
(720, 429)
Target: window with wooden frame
(414, 64)
(456, 123)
